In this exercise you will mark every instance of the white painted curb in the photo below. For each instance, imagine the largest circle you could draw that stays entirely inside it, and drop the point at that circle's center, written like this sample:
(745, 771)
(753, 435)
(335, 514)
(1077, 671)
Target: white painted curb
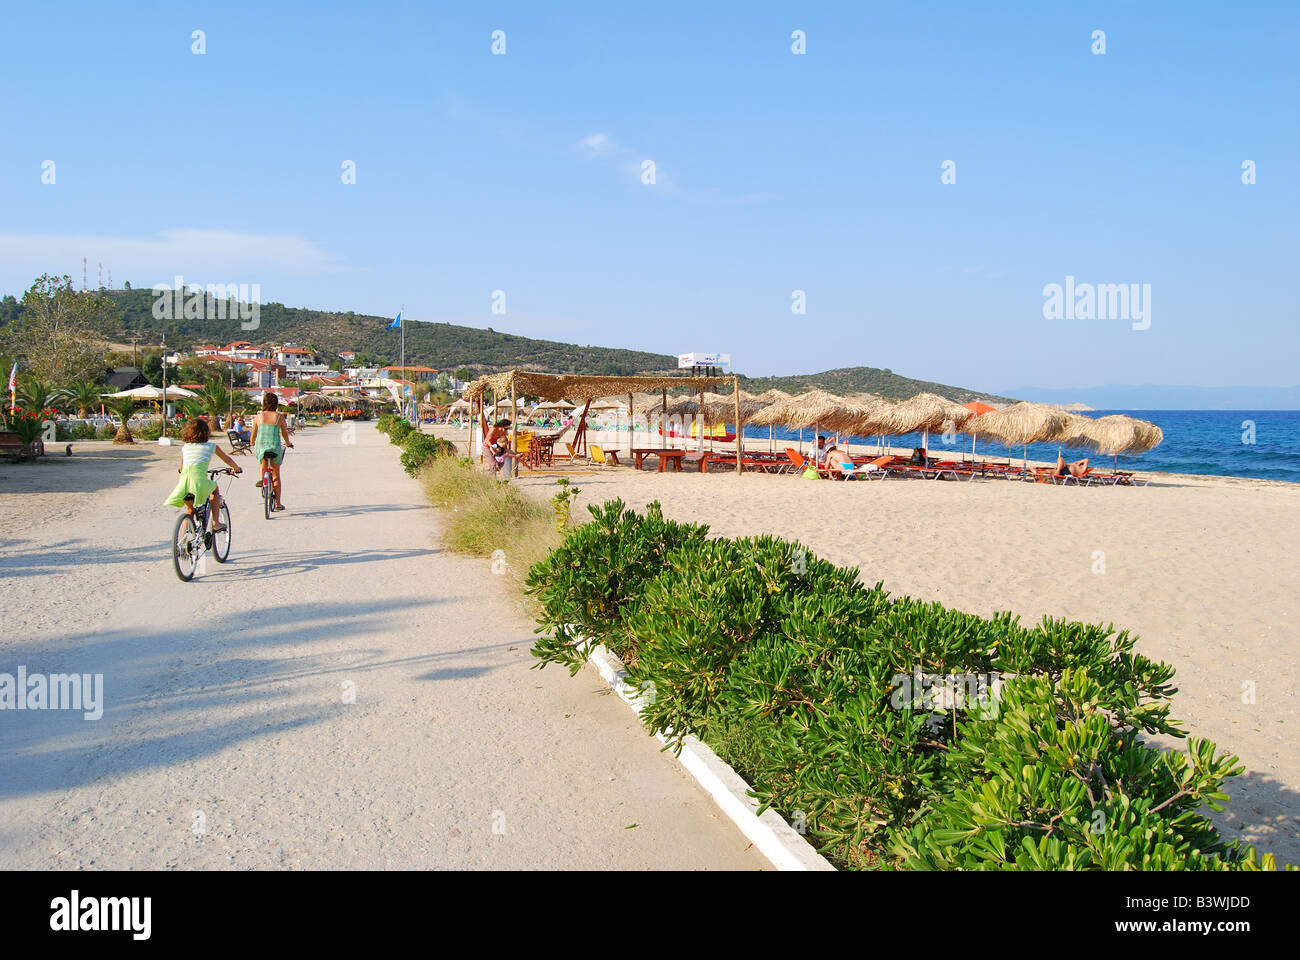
(774, 838)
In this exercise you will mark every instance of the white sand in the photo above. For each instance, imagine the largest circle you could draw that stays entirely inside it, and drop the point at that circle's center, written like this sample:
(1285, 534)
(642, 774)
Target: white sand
(1205, 570)
(225, 696)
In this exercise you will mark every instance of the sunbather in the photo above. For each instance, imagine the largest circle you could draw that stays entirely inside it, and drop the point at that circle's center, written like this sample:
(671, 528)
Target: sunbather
(1077, 469)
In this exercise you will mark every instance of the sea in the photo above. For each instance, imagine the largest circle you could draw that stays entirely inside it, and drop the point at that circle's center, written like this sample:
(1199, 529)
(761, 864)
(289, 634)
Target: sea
(1262, 444)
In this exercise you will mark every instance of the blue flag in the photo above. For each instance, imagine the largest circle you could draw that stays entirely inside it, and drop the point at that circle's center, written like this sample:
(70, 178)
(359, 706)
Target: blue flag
(396, 323)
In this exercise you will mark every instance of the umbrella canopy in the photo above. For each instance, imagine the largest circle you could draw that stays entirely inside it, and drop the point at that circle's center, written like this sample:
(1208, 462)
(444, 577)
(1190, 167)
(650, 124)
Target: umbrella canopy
(1019, 424)
(314, 401)
(816, 408)
(545, 405)
(925, 412)
(154, 393)
(461, 404)
(978, 408)
(1116, 434)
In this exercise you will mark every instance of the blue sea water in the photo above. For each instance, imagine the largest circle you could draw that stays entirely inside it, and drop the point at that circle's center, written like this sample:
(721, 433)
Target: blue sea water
(1208, 442)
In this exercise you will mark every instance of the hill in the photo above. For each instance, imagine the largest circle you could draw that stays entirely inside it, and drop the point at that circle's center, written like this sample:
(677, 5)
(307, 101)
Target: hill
(447, 346)
(847, 380)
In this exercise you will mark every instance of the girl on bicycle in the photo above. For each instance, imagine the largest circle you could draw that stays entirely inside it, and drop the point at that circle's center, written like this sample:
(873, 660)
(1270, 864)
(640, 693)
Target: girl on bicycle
(195, 483)
(270, 437)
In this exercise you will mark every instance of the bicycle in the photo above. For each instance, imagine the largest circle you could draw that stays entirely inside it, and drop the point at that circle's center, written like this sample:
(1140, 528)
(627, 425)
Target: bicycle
(191, 538)
(268, 481)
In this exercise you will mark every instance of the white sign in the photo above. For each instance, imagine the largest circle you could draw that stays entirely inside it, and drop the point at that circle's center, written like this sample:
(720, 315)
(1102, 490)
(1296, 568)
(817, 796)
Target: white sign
(703, 360)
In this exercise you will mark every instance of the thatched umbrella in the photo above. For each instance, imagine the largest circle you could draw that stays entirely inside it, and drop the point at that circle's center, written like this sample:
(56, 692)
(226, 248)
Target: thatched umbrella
(1116, 434)
(815, 409)
(308, 402)
(1019, 424)
(924, 413)
(766, 399)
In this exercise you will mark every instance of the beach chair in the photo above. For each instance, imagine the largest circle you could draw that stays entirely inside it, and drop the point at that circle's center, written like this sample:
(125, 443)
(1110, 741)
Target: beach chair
(605, 458)
(525, 450)
(800, 463)
(876, 469)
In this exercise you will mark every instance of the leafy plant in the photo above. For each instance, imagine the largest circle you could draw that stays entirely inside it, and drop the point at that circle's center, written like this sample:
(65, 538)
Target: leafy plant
(602, 566)
(563, 503)
(899, 733)
(123, 408)
(420, 449)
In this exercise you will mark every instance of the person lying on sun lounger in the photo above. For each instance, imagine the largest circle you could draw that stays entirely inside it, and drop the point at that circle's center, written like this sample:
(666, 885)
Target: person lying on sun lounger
(1077, 469)
(838, 463)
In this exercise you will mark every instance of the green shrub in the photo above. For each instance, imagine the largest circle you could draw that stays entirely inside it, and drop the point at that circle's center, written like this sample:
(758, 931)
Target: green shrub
(105, 432)
(399, 431)
(899, 733)
(385, 422)
(420, 448)
(585, 584)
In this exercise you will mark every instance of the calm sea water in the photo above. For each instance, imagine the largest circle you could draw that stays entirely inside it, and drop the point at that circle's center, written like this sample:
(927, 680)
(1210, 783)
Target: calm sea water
(1211, 442)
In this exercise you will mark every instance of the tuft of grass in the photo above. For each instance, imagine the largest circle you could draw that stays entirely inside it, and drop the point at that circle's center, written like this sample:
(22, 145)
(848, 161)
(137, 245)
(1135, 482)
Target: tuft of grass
(485, 515)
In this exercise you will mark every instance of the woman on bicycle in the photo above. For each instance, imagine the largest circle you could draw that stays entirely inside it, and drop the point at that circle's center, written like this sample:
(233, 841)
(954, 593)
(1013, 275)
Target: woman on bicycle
(270, 437)
(195, 484)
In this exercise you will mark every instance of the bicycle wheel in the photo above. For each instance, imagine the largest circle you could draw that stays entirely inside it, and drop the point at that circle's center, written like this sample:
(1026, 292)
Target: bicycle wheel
(221, 541)
(184, 553)
(268, 495)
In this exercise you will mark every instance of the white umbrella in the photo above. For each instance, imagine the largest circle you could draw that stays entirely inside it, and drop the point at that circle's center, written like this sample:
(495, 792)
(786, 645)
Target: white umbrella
(153, 393)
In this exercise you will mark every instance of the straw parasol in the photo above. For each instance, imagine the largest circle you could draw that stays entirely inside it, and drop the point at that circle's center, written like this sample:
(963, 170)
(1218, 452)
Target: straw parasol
(308, 402)
(1019, 425)
(924, 413)
(1117, 433)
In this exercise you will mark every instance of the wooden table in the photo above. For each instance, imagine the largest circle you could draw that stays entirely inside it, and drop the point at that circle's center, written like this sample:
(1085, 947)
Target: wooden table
(666, 456)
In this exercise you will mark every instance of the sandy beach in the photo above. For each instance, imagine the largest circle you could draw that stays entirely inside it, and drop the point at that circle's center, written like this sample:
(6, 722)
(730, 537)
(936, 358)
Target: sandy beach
(342, 695)
(1203, 569)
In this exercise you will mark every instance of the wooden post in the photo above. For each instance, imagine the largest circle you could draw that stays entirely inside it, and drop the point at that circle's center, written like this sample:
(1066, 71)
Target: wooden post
(735, 383)
(631, 428)
(663, 419)
(514, 429)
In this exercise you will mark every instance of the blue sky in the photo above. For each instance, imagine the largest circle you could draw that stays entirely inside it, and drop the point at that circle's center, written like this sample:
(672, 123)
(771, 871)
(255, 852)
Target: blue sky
(774, 173)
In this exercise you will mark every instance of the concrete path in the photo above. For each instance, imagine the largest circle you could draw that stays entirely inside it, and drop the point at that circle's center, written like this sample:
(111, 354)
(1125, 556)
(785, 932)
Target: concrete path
(228, 739)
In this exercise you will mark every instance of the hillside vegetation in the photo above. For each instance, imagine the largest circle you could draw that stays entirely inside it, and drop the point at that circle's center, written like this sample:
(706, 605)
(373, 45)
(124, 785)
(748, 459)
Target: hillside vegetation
(447, 346)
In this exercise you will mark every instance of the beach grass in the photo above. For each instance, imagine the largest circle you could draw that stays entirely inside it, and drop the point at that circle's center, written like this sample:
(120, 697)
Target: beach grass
(485, 515)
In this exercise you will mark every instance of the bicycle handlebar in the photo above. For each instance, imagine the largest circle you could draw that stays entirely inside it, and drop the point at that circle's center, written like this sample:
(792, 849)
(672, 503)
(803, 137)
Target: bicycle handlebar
(213, 473)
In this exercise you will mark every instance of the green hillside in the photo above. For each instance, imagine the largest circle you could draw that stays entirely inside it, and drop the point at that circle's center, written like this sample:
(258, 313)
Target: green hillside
(847, 380)
(447, 346)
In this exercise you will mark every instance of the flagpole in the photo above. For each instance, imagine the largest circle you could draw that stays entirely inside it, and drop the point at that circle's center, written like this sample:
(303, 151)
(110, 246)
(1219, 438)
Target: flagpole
(402, 315)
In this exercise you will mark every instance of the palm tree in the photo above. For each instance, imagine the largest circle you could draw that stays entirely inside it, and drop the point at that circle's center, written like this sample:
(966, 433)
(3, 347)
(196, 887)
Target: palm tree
(123, 407)
(84, 396)
(37, 396)
(215, 400)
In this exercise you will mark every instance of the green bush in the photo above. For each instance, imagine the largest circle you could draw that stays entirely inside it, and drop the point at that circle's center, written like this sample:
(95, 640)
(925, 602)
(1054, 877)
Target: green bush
(385, 422)
(899, 733)
(398, 431)
(105, 432)
(585, 584)
(420, 448)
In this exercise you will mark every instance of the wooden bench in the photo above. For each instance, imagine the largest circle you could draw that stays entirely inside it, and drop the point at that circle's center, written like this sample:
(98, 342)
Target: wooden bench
(12, 446)
(237, 443)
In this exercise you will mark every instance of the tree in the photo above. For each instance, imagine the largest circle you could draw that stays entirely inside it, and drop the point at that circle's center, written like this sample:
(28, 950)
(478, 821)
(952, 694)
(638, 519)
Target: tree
(123, 407)
(152, 368)
(83, 396)
(37, 396)
(58, 330)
